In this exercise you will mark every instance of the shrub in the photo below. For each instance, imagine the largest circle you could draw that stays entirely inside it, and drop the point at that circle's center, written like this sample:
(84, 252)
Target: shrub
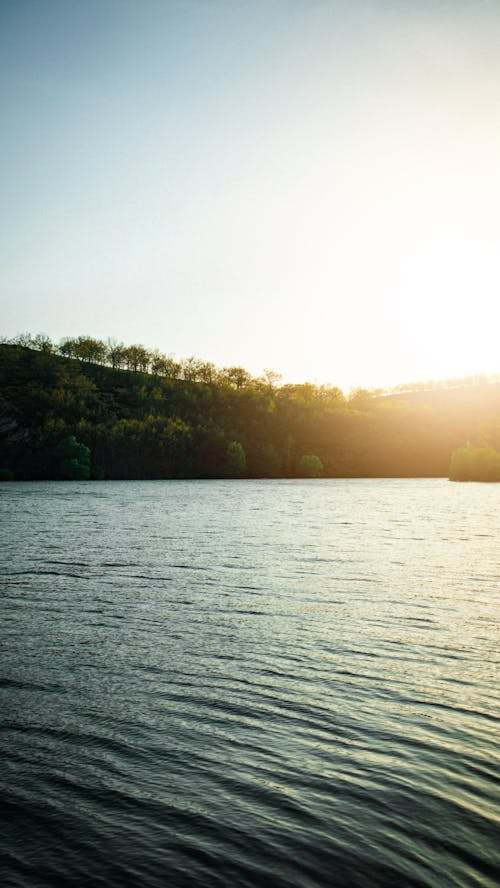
(469, 463)
(310, 466)
(236, 461)
(73, 460)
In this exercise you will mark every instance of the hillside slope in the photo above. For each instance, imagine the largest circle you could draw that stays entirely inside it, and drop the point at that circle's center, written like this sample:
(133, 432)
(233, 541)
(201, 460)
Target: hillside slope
(139, 425)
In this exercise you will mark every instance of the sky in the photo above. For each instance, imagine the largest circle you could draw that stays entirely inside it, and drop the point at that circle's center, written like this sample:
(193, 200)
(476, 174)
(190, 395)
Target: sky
(311, 186)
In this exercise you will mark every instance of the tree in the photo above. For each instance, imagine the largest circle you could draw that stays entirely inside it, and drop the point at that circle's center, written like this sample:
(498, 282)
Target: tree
(207, 372)
(236, 461)
(43, 343)
(115, 354)
(73, 460)
(470, 463)
(68, 347)
(236, 376)
(271, 377)
(24, 339)
(158, 364)
(137, 358)
(87, 349)
(194, 370)
(171, 369)
(310, 466)
(360, 399)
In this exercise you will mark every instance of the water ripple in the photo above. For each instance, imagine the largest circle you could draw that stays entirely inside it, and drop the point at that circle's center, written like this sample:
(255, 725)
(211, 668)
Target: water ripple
(284, 684)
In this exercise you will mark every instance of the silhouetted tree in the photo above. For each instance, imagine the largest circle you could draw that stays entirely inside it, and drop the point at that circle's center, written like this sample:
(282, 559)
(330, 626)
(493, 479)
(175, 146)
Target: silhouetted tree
(43, 343)
(115, 353)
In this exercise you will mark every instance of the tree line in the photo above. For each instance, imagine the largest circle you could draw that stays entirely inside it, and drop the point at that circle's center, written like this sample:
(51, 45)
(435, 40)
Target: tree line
(81, 410)
(138, 359)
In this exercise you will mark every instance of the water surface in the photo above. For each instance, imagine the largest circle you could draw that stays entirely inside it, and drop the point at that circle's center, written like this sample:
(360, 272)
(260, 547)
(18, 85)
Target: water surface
(283, 683)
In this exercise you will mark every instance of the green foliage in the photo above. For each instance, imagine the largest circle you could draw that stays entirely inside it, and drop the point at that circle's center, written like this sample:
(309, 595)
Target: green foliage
(236, 461)
(144, 415)
(469, 463)
(85, 348)
(72, 460)
(310, 466)
(237, 376)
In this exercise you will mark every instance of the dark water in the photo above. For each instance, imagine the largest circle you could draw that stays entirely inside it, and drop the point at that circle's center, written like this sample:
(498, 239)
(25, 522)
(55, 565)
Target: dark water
(266, 683)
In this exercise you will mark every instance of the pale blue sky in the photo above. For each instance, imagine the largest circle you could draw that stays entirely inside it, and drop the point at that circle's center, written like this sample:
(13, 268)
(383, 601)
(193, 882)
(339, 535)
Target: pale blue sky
(311, 186)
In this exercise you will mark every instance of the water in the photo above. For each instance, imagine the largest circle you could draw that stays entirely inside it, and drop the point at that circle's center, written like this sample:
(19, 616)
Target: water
(255, 683)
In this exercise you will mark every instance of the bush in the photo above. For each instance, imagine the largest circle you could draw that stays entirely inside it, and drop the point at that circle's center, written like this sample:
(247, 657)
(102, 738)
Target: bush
(310, 466)
(470, 463)
(236, 461)
(73, 460)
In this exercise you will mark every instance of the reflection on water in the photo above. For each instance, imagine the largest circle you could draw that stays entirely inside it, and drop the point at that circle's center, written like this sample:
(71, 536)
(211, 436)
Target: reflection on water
(285, 683)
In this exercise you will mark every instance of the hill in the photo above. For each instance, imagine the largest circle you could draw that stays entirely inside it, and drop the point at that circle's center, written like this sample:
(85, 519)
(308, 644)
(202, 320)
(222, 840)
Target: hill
(140, 424)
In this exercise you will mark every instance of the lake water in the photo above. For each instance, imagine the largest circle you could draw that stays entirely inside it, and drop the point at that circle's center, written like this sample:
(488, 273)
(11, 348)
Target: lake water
(250, 683)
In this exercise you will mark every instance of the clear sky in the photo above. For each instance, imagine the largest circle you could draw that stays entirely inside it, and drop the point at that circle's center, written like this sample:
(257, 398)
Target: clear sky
(311, 186)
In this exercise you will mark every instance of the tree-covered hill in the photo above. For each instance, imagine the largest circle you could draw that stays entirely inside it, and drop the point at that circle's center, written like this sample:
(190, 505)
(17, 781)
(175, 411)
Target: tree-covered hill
(74, 415)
